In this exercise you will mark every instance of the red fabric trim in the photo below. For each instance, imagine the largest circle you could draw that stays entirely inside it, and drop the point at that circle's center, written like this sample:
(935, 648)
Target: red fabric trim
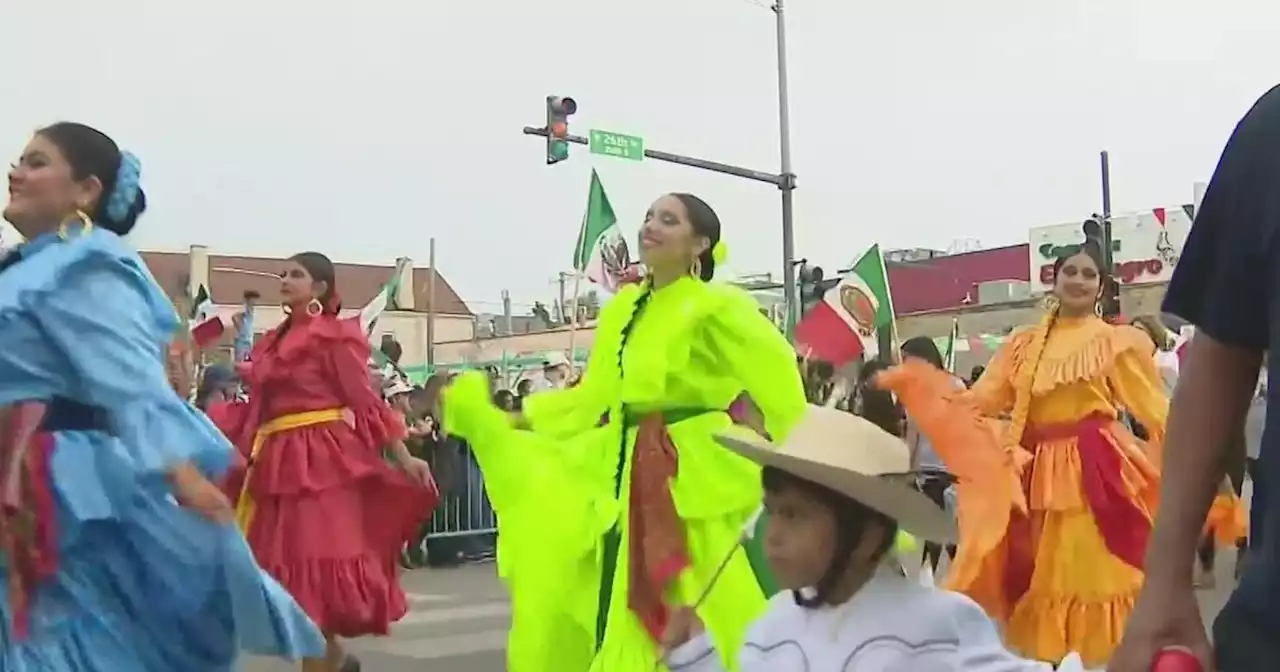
(658, 549)
(28, 522)
(1020, 559)
(1123, 525)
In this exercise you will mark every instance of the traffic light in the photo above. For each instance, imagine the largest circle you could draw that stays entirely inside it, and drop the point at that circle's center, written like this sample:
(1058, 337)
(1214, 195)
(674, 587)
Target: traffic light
(812, 287)
(559, 109)
(1097, 229)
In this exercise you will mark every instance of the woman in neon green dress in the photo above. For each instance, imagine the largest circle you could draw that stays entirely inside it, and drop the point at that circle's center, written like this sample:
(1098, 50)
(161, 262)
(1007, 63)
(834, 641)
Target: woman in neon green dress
(614, 503)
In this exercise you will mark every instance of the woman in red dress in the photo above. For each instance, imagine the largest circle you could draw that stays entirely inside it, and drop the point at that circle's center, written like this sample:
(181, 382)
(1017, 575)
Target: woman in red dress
(324, 512)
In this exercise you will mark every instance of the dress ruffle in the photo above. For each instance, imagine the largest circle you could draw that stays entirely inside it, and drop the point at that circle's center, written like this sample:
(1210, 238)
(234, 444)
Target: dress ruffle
(552, 513)
(142, 584)
(697, 350)
(1031, 550)
(330, 513)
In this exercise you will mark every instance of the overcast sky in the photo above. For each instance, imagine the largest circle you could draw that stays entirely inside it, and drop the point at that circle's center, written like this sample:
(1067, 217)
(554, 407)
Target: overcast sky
(362, 129)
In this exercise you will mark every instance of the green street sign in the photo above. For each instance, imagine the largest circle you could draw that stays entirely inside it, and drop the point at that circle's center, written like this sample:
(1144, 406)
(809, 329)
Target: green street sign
(617, 144)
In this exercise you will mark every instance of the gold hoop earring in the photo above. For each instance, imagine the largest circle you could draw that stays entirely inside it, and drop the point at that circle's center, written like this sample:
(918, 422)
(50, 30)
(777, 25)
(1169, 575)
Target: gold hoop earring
(81, 217)
(315, 308)
(1050, 303)
(1097, 308)
(286, 309)
(695, 269)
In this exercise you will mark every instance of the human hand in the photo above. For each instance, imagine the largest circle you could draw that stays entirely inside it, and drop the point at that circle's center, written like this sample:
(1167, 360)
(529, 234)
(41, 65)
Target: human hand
(517, 420)
(195, 492)
(419, 471)
(682, 627)
(1166, 616)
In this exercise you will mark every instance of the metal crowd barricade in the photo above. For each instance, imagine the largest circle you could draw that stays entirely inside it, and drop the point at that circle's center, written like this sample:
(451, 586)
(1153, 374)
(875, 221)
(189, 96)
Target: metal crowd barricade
(464, 509)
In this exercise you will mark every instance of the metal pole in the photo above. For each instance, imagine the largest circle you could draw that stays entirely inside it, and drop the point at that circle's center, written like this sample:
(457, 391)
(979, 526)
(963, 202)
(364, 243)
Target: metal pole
(681, 159)
(1112, 307)
(431, 306)
(1106, 204)
(506, 313)
(787, 184)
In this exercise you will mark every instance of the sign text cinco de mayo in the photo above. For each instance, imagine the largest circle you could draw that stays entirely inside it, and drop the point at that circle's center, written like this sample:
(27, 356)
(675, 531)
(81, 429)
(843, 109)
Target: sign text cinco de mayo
(1145, 245)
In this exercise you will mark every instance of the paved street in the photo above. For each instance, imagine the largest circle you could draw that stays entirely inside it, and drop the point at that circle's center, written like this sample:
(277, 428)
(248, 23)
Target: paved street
(459, 619)
(458, 622)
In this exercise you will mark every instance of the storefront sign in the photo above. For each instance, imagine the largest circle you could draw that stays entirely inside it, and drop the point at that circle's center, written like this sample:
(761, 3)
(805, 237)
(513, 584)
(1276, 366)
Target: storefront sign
(1145, 246)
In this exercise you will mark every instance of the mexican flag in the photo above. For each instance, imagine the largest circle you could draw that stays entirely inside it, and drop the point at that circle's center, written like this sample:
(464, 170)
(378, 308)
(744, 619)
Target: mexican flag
(843, 326)
(384, 300)
(601, 251)
(205, 323)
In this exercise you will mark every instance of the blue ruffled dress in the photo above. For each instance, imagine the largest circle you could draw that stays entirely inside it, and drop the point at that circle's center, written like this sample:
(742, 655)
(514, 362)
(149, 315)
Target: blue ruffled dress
(142, 585)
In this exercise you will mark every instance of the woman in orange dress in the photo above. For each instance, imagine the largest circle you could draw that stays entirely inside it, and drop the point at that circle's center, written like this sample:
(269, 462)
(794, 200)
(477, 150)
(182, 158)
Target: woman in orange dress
(1056, 503)
(323, 511)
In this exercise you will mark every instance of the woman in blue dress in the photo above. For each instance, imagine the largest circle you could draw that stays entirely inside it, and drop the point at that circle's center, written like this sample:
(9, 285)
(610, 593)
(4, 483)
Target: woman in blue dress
(117, 552)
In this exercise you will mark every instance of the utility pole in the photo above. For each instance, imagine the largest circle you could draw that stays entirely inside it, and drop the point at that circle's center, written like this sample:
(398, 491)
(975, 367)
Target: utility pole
(556, 132)
(431, 306)
(560, 307)
(784, 182)
(1111, 304)
(787, 183)
(506, 312)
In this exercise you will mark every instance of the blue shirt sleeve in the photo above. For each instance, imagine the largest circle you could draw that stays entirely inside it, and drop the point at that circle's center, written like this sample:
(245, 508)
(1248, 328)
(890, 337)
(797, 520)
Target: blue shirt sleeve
(107, 320)
(1225, 281)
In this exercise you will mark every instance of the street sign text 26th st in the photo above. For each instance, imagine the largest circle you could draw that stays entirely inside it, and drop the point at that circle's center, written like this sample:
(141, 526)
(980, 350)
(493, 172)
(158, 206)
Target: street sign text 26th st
(617, 144)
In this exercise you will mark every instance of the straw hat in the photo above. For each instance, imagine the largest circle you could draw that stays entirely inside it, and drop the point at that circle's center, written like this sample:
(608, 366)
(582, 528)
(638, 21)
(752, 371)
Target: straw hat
(855, 458)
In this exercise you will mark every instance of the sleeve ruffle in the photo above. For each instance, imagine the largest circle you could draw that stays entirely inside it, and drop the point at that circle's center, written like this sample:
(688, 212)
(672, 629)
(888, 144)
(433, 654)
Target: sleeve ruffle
(468, 410)
(988, 473)
(761, 357)
(157, 434)
(993, 392)
(566, 412)
(112, 357)
(1093, 359)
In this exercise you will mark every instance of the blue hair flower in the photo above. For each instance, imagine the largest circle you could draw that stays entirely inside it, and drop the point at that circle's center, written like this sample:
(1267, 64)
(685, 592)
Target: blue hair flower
(128, 186)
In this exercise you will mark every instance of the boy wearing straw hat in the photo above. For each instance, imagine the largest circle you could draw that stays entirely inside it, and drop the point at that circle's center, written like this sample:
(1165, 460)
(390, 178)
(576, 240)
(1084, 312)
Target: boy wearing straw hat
(838, 492)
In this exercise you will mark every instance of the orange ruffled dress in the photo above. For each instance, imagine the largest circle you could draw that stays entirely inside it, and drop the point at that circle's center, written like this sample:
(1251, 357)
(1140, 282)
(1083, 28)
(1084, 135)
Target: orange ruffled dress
(1055, 503)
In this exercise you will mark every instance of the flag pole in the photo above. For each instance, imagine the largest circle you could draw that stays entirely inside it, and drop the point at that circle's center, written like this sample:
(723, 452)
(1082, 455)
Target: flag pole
(573, 323)
(579, 252)
(431, 306)
(896, 355)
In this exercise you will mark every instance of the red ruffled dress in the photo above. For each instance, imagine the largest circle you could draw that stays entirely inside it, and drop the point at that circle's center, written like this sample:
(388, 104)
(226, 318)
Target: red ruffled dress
(329, 514)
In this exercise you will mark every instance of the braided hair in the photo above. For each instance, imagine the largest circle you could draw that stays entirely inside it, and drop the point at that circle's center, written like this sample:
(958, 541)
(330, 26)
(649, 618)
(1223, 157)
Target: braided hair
(1025, 377)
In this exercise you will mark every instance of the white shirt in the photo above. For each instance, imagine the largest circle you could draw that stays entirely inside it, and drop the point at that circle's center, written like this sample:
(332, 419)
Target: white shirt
(893, 624)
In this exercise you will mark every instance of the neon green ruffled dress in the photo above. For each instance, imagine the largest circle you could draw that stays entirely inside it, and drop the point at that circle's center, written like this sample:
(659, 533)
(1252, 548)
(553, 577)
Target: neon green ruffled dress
(687, 351)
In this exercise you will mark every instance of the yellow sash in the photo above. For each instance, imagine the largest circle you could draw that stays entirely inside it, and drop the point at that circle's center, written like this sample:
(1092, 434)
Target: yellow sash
(284, 423)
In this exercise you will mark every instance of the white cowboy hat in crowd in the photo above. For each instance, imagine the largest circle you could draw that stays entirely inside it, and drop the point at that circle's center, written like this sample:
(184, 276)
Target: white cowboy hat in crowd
(396, 386)
(556, 358)
(843, 452)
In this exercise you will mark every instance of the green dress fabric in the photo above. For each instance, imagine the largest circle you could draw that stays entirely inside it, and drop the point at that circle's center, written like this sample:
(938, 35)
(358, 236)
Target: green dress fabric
(690, 351)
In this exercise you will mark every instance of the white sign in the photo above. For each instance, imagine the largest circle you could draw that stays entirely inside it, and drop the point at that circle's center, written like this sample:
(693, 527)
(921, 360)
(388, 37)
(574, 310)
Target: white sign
(1144, 245)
